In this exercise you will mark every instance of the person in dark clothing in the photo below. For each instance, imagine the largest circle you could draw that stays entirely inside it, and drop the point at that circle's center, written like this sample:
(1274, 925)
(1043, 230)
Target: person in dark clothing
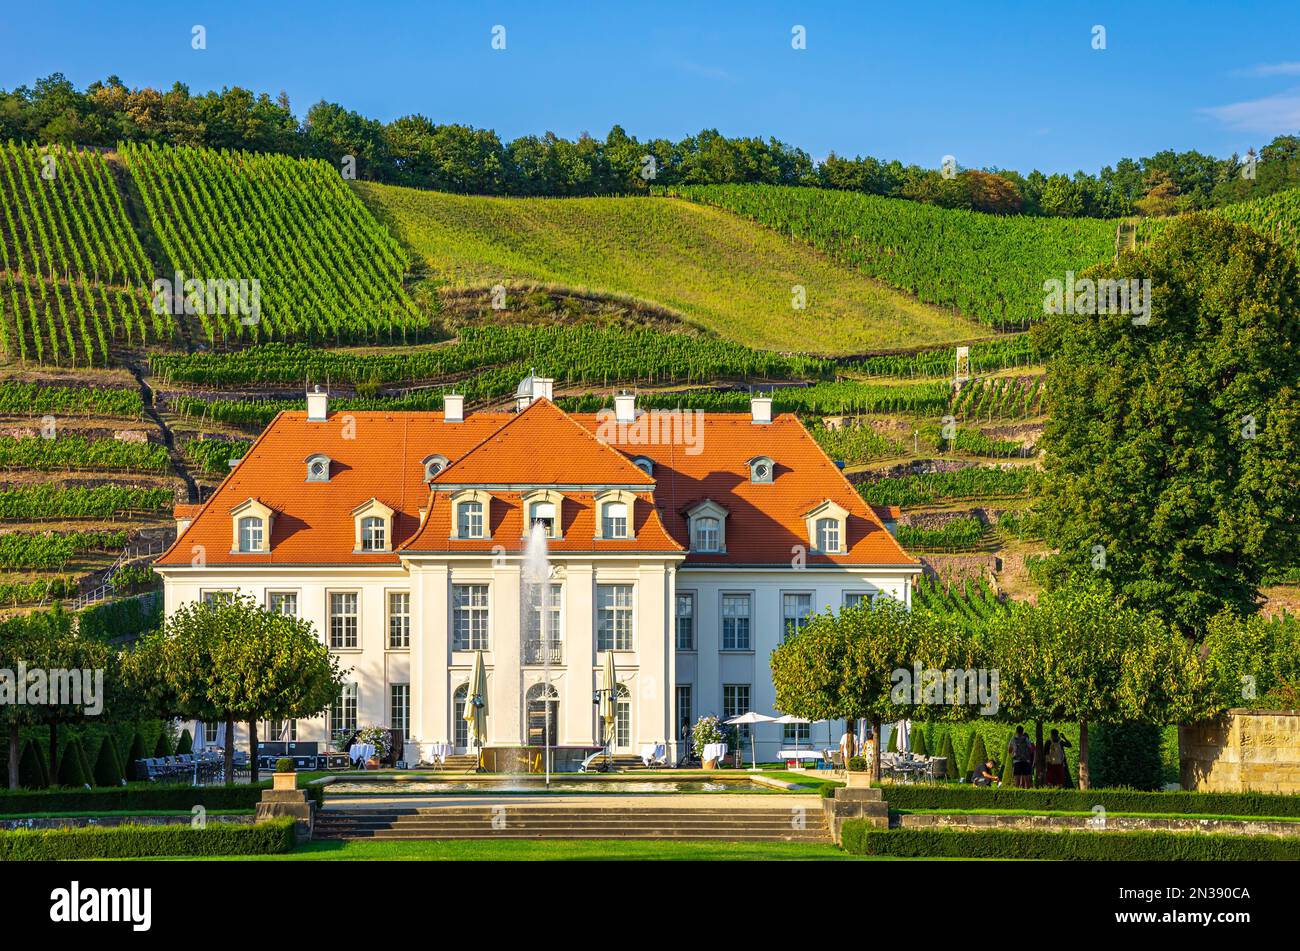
(1021, 752)
(1054, 760)
(986, 775)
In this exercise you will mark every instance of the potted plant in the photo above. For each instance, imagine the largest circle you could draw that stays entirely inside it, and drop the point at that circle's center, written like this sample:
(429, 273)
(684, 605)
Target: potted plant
(381, 738)
(706, 730)
(285, 776)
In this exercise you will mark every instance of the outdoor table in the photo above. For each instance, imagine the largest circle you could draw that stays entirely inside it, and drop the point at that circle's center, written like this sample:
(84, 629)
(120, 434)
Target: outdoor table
(439, 752)
(361, 752)
(650, 752)
(713, 751)
(791, 757)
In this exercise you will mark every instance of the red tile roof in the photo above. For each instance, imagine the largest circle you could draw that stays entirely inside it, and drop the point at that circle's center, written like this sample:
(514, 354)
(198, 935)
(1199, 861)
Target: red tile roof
(375, 454)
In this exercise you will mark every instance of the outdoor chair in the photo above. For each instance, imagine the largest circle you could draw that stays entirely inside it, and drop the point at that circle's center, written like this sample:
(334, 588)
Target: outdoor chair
(938, 769)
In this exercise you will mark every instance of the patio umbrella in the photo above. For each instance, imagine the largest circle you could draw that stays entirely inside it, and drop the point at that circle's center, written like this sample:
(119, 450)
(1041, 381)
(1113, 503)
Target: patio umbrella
(476, 707)
(608, 699)
(904, 728)
(751, 717)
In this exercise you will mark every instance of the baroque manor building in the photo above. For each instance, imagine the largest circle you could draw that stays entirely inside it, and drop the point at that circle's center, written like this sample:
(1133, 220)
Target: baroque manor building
(687, 543)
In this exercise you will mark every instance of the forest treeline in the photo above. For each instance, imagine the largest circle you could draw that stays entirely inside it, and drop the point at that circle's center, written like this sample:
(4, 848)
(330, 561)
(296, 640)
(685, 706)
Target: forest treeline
(415, 150)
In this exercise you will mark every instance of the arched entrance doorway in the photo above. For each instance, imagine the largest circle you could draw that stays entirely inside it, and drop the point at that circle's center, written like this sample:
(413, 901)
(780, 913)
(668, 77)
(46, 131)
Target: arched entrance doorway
(543, 703)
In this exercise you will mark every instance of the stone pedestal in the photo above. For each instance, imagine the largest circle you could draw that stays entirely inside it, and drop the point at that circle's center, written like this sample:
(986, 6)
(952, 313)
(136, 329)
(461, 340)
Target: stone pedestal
(288, 802)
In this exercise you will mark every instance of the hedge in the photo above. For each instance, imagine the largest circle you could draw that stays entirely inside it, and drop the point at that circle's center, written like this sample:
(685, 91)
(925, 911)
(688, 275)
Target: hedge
(132, 841)
(964, 796)
(140, 798)
(859, 837)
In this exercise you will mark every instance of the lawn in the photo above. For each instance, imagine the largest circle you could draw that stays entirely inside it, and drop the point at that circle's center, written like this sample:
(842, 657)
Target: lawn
(524, 850)
(708, 266)
(1116, 815)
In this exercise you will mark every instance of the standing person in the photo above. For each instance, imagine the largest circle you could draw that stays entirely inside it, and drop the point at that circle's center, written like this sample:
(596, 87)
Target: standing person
(1021, 752)
(848, 745)
(1054, 759)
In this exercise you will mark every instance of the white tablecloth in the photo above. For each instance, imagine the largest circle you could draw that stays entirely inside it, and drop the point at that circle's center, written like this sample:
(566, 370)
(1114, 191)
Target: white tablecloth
(714, 751)
(651, 752)
(361, 751)
(799, 754)
(439, 752)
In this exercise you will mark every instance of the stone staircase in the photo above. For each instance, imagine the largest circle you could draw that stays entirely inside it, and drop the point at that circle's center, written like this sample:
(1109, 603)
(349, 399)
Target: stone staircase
(755, 823)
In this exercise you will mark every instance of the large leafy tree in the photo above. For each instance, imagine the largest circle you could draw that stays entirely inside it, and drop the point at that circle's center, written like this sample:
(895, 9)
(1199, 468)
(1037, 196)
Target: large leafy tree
(1173, 448)
(234, 660)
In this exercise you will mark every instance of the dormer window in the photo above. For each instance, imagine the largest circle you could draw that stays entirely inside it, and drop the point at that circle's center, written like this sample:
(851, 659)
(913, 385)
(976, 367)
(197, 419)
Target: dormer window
(543, 514)
(251, 523)
(645, 465)
(828, 528)
(469, 520)
(374, 526)
(432, 466)
(544, 507)
(828, 535)
(252, 533)
(318, 468)
(614, 513)
(708, 527)
(613, 520)
(374, 534)
(761, 470)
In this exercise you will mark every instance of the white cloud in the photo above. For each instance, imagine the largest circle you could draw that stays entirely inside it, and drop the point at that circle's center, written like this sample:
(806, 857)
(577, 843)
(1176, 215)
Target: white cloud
(1268, 116)
(1275, 69)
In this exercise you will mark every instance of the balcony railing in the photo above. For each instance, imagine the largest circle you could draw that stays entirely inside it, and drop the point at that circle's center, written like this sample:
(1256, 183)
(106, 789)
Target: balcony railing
(543, 652)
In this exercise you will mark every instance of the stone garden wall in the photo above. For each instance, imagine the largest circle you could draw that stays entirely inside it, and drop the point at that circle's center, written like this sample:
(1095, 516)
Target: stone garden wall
(1243, 750)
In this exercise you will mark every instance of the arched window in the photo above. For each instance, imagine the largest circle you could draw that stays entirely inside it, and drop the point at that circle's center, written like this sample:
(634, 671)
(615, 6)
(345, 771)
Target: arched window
(469, 520)
(708, 533)
(622, 719)
(543, 512)
(761, 469)
(373, 534)
(251, 531)
(645, 465)
(614, 520)
(828, 534)
(459, 728)
(318, 468)
(543, 715)
(433, 465)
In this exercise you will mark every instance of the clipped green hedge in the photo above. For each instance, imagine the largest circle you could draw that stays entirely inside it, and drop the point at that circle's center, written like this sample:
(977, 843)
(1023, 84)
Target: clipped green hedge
(1082, 800)
(139, 798)
(859, 837)
(131, 841)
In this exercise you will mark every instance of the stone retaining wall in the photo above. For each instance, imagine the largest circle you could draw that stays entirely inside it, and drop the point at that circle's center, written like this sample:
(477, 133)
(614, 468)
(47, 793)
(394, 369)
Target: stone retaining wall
(1243, 750)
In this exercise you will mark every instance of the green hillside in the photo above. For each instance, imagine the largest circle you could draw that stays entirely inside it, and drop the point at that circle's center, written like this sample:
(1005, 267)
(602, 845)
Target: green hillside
(1276, 215)
(712, 268)
(989, 267)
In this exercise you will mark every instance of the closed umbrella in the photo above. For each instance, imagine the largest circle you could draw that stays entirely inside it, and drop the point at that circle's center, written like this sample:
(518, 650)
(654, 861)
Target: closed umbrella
(609, 701)
(476, 707)
(751, 717)
(904, 728)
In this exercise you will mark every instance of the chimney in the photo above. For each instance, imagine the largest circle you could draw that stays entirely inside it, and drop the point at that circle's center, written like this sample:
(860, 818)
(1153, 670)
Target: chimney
(760, 408)
(543, 387)
(317, 405)
(625, 407)
(453, 408)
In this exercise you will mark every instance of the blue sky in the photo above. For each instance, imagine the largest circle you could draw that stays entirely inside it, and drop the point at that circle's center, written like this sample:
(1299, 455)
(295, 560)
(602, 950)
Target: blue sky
(1014, 85)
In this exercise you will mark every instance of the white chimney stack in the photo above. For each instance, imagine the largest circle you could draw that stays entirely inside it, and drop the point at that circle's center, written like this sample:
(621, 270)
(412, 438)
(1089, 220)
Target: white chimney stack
(317, 405)
(760, 408)
(544, 387)
(625, 407)
(453, 408)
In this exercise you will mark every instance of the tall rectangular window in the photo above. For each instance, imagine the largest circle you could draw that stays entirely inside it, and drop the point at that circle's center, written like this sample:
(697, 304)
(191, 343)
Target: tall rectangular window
(542, 645)
(343, 715)
(853, 599)
(614, 617)
(685, 621)
(283, 602)
(614, 521)
(399, 620)
(273, 731)
(796, 609)
(684, 711)
(735, 622)
(796, 733)
(469, 520)
(399, 705)
(343, 619)
(469, 623)
(735, 701)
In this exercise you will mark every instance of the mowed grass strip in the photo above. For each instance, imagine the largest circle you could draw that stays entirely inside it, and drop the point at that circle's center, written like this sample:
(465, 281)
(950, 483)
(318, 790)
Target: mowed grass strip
(715, 269)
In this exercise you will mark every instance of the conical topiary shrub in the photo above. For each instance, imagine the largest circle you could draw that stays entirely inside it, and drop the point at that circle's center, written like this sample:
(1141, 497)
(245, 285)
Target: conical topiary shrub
(164, 745)
(919, 746)
(70, 766)
(30, 774)
(43, 758)
(892, 745)
(185, 744)
(136, 753)
(951, 769)
(87, 764)
(1008, 771)
(977, 755)
(108, 771)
